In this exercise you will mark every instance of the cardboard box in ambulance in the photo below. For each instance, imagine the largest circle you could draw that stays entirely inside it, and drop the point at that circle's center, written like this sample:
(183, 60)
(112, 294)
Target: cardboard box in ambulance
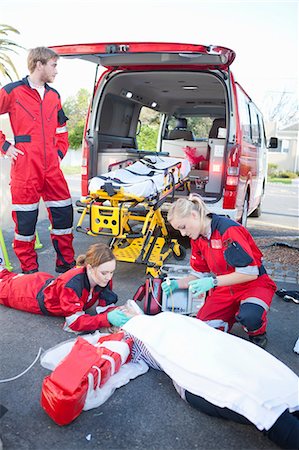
(182, 100)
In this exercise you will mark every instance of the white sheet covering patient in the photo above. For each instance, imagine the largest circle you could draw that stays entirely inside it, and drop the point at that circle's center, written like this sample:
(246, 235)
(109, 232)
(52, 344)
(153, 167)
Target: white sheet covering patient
(217, 373)
(222, 370)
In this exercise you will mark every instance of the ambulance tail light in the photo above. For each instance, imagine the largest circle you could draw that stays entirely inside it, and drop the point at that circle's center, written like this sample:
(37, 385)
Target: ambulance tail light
(232, 179)
(84, 168)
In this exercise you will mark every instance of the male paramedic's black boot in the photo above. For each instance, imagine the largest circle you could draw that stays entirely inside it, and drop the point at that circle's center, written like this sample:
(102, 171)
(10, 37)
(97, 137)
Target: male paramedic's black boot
(64, 267)
(260, 340)
(26, 272)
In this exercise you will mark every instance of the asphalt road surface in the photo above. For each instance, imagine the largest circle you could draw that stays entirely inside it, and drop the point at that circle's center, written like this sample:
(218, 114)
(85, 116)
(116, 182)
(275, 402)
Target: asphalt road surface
(147, 413)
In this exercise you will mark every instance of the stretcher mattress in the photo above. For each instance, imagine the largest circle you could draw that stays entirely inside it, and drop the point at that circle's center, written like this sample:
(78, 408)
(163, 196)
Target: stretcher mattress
(144, 178)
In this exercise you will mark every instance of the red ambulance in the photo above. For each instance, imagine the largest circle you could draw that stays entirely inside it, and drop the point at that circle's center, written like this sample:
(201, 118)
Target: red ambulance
(185, 97)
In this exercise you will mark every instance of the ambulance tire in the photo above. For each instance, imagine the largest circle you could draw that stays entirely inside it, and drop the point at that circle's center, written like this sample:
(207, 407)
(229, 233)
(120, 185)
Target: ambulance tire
(257, 212)
(243, 219)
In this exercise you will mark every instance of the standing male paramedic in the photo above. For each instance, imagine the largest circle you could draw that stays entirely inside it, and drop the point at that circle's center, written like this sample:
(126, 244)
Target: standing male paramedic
(41, 141)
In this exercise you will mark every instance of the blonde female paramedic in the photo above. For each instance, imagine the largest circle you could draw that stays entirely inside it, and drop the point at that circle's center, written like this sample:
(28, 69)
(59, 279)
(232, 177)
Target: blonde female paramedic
(237, 283)
(70, 294)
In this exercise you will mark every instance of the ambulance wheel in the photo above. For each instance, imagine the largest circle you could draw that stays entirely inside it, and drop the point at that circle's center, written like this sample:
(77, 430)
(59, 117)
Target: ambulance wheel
(257, 212)
(243, 219)
(181, 255)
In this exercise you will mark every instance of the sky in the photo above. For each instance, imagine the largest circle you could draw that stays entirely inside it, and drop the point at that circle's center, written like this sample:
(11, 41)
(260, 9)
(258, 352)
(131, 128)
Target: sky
(264, 35)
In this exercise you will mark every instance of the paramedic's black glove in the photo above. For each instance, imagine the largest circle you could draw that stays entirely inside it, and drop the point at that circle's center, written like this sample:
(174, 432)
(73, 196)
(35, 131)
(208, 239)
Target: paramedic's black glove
(117, 318)
(169, 286)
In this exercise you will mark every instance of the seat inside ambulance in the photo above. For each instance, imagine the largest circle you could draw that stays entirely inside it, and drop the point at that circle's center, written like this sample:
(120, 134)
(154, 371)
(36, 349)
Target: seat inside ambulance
(181, 131)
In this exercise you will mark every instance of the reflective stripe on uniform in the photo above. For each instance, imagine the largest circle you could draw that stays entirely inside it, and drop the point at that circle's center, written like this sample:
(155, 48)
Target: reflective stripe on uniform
(58, 203)
(61, 232)
(71, 319)
(28, 207)
(256, 301)
(217, 323)
(20, 237)
(248, 270)
(61, 130)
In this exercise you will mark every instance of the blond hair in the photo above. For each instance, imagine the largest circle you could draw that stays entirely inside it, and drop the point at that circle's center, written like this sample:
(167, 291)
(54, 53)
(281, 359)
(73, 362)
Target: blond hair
(42, 54)
(183, 207)
(96, 255)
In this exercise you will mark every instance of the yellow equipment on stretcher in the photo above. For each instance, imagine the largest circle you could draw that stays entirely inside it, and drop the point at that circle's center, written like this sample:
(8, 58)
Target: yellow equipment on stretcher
(135, 224)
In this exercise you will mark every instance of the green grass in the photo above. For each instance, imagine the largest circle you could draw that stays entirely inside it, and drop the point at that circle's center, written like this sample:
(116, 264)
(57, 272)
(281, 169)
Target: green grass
(280, 180)
(71, 170)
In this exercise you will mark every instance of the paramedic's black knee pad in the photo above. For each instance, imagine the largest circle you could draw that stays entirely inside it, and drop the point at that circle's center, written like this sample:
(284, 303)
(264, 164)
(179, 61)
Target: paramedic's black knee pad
(250, 316)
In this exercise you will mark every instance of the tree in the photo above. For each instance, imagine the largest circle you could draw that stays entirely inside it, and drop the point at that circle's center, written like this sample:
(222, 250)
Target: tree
(282, 109)
(76, 109)
(7, 67)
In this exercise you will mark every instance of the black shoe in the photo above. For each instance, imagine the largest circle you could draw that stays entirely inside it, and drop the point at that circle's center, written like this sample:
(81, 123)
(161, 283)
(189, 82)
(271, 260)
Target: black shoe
(26, 272)
(64, 267)
(260, 340)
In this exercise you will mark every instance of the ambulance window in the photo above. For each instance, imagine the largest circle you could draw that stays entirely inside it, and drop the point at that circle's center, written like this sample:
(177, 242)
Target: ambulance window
(262, 130)
(200, 126)
(255, 132)
(147, 137)
(244, 115)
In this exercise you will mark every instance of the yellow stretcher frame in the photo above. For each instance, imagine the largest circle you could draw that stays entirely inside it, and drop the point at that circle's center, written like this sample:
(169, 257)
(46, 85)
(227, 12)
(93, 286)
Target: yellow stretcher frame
(117, 215)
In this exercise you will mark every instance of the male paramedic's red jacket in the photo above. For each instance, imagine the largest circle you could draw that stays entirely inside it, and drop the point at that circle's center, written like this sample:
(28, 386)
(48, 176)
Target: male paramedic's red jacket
(34, 123)
(68, 295)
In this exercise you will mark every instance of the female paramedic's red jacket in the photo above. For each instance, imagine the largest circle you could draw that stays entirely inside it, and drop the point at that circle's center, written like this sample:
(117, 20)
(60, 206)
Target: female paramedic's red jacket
(68, 295)
(229, 248)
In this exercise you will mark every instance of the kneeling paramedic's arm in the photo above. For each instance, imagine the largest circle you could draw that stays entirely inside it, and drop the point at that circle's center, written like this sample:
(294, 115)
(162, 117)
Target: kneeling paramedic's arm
(170, 286)
(234, 278)
(202, 285)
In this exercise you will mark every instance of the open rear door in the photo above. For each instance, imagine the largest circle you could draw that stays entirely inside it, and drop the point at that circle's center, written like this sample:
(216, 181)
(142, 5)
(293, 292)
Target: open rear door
(140, 54)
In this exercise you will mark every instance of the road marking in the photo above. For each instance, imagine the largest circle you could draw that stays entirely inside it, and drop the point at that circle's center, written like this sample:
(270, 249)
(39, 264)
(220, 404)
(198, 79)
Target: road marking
(268, 224)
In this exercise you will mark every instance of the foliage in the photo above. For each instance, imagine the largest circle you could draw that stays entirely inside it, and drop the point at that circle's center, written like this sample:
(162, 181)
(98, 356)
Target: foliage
(287, 174)
(272, 170)
(149, 129)
(147, 139)
(282, 109)
(280, 180)
(280, 176)
(76, 109)
(7, 67)
(200, 126)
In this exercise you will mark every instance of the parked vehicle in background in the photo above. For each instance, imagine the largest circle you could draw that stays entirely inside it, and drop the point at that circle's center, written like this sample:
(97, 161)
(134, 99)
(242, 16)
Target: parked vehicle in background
(185, 98)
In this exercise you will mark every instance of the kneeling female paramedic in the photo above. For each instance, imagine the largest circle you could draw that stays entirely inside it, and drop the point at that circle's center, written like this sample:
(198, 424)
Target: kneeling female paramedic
(238, 286)
(70, 294)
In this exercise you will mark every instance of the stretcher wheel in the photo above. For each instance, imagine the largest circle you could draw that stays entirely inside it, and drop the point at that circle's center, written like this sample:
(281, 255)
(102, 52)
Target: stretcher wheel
(182, 252)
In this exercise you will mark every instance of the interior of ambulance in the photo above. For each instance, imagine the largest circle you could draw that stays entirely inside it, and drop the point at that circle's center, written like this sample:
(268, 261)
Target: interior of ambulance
(179, 113)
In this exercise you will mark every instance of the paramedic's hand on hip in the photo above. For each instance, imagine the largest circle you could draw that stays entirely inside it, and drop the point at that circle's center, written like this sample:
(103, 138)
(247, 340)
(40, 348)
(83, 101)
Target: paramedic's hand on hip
(117, 318)
(169, 286)
(201, 285)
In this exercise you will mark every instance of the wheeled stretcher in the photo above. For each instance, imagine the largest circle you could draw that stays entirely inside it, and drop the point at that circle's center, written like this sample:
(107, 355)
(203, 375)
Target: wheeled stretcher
(125, 204)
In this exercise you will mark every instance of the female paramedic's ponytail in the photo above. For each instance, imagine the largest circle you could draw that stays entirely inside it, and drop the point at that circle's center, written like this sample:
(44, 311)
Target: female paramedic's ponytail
(96, 255)
(183, 207)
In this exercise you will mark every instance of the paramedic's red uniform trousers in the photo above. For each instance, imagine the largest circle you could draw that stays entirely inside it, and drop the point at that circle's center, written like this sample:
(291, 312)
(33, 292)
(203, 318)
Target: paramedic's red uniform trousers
(223, 303)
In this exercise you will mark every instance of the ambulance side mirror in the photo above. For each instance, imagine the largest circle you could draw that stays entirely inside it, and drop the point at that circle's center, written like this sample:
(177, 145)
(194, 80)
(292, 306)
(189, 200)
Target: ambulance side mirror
(273, 142)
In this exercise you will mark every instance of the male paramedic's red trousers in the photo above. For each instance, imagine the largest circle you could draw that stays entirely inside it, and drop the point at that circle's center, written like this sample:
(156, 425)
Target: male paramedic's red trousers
(50, 184)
